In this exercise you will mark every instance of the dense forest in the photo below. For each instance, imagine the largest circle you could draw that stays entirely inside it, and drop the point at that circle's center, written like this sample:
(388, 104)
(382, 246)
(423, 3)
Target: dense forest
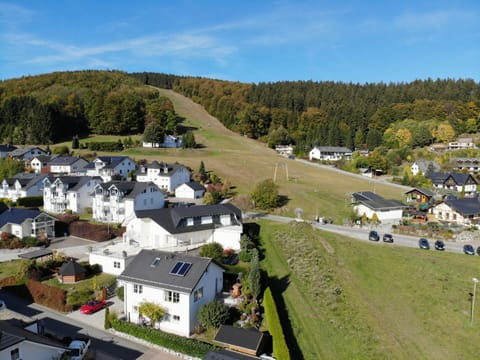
(308, 113)
(54, 107)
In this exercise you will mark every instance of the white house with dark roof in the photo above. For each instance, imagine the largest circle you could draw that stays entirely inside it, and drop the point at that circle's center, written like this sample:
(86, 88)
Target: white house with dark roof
(178, 283)
(26, 153)
(169, 141)
(39, 163)
(185, 226)
(368, 203)
(68, 193)
(26, 222)
(22, 185)
(68, 165)
(462, 211)
(113, 201)
(108, 167)
(454, 182)
(424, 167)
(190, 190)
(330, 153)
(166, 176)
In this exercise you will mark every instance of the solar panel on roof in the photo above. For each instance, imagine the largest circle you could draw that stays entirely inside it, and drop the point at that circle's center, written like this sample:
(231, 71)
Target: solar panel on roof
(177, 267)
(183, 270)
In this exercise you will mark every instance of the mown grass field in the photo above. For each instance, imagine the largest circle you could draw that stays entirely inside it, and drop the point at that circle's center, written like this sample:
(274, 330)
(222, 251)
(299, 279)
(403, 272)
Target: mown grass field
(347, 299)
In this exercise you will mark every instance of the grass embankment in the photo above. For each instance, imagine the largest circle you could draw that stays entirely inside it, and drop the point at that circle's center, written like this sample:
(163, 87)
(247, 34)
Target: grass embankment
(346, 299)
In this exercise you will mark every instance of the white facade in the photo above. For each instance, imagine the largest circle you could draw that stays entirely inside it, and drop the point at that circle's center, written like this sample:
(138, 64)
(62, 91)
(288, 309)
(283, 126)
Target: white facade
(37, 164)
(329, 153)
(62, 193)
(107, 167)
(444, 212)
(169, 141)
(383, 215)
(114, 204)
(75, 166)
(19, 189)
(113, 264)
(34, 226)
(181, 307)
(188, 192)
(166, 177)
(31, 350)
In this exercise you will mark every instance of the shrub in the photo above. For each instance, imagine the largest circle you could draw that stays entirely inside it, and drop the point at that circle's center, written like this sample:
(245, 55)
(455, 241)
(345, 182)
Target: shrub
(107, 323)
(46, 295)
(280, 348)
(212, 250)
(105, 146)
(213, 314)
(120, 293)
(30, 201)
(79, 297)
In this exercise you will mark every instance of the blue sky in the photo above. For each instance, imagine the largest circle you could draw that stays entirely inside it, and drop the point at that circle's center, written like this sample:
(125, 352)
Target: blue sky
(248, 41)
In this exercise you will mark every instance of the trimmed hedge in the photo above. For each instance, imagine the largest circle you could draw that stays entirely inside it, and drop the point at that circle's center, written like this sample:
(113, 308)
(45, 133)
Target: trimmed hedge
(280, 348)
(170, 341)
(105, 146)
(49, 296)
(30, 201)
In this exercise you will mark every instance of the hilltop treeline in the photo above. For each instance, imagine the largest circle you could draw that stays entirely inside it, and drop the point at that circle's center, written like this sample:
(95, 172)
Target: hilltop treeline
(53, 107)
(310, 113)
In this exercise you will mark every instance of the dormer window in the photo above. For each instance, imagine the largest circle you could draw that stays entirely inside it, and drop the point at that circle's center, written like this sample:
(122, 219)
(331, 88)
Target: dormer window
(189, 221)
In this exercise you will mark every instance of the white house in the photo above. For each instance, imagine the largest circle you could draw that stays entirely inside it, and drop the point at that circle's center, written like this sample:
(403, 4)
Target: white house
(22, 185)
(18, 343)
(330, 153)
(166, 176)
(26, 153)
(185, 226)
(26, 222)
(39, 163)
(178, 283)
(169, 141)
(68, 193)
(462, 211)
(110, 166)
(68, 165)
(114, 201)
(368, 203)
(424, 167)
(190, 190)
(454, 182)
(462, 144)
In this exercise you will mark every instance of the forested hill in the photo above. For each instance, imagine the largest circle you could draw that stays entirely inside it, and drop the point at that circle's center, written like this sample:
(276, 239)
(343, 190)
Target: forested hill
(47, 108)
(311, 113)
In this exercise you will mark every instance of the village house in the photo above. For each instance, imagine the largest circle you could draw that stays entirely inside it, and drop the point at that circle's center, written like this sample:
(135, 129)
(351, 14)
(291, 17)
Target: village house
(424, 167)
(330, 153)
(461, 211)
(26, 153)
(39, 164)
(5, 149)
(22, 185)
(419, 196)
(109, 167)
(114, 201)
(471, 165)
(462, 144)
(177, 282)
(368, 203)
(454, 182)
(169, 141)
(67, 165)
(166, 176)
(190, 190)
(26, 222)
(68, 193)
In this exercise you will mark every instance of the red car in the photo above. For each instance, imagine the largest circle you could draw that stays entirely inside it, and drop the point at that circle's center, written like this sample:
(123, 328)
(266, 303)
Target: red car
(93, 306)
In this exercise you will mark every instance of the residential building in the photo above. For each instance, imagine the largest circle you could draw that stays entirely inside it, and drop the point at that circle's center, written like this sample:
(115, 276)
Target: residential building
(39, 163)
(166, 176)
(284, 149)
(67, 165)
(114, 201)
(68, 193)
(330, 153)
(454, 182)
(185, 226)
(419, 195)
(5, 149)
(471, 165)
(169, 141)
(22, 185)
(110, 167)
(368, 203)
(462, 211)
(26, 222)
(178, 283)
(462, 144)
(424, 167)
(190, 190)
(26, 153)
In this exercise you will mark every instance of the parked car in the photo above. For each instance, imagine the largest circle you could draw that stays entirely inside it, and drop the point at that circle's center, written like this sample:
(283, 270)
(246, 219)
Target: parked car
(231, 259)
(373, 236)
(468, 249)
(388, 238)
(424, 244)
(3, 306)
(93, 306)
(439, 245)
(478, 250)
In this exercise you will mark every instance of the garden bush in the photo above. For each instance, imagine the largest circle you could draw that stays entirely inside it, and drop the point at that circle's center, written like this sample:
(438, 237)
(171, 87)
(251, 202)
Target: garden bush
(79, 297)
(46, 295)
(30, 201)
(120, 292)
(280, 348)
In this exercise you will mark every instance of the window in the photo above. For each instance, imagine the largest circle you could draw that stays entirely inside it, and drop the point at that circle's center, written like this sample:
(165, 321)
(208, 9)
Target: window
(15, 354)
(116, 264)
(176, 318)
(172, 296)
(138, 289)
(198, 294)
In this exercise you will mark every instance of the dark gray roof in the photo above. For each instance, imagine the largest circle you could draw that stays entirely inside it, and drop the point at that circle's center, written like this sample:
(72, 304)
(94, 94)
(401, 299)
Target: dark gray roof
(459, 178)
(249, 339)
(7, 148)
(424, 191)
(74, 182)
(129, 189)
(424, 164)
(17, 215)
(43, 158)
(375, 201)
(111, 162)
(464, 206)
(195, 186)
(19, 152)
(36, 254)
(140, 270)
(11, 335)
(174, 220)
(339, 149)
(64, 160)
(171, 168)
(224, 354)
(71, 267)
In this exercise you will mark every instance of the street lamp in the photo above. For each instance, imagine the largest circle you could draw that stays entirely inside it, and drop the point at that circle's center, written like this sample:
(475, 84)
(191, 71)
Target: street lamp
(475, 281)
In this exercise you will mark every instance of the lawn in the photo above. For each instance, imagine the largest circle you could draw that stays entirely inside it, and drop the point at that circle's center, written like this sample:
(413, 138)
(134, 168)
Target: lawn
(347, 299)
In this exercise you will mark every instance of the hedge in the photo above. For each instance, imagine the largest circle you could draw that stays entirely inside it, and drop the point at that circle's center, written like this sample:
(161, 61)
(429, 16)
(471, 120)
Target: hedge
(105, 146)
(173, 342)
(280, 348)
(30, 201)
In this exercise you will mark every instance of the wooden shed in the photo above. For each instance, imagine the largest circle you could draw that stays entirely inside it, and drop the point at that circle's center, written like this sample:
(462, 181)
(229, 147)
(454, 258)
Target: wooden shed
(71, 272)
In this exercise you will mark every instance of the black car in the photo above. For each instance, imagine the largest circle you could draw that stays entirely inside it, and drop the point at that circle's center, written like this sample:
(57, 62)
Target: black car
(468, 249)
(231, 259)
(388, 238)
(424, 244)
(373, 236)
(478, 250)
(439, 245)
